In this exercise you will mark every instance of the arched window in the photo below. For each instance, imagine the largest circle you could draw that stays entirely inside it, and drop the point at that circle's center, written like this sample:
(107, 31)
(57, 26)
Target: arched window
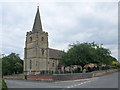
(30, 64)
(42, 50)
(42, 38)
(30, 39)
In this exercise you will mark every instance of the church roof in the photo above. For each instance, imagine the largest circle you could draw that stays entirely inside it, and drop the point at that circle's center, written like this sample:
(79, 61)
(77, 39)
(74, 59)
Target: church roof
(54, 53)
(37, 26)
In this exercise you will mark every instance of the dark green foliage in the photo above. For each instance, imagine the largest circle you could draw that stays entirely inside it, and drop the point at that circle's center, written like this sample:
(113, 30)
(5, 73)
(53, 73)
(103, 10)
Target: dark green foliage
(85, 53)
(12, 64)
(76, 71)
(4, 86)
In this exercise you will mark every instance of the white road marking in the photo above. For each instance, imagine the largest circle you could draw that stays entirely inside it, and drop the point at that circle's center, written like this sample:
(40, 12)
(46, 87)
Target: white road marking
(72, 80)
(90, 80)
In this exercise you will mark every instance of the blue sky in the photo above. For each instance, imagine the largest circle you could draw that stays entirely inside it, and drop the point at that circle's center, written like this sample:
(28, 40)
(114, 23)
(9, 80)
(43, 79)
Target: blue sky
(65, 22)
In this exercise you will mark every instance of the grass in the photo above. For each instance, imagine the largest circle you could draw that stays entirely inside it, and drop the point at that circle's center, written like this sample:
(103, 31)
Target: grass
(21, 74)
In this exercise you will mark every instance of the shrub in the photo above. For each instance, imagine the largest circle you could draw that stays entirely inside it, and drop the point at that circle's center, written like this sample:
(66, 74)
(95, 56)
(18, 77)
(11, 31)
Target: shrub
(4, 86)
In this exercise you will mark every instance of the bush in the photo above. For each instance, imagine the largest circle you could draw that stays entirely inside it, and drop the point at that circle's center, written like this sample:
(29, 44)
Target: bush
(114, 67)
(77, 70)
(4, 86)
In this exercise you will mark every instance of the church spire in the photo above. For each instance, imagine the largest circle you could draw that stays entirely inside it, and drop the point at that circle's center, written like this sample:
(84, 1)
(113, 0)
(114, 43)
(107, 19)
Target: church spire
(37, 26)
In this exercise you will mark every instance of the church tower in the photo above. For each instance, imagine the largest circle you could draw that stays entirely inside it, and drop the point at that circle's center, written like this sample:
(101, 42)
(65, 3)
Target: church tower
(36, 48)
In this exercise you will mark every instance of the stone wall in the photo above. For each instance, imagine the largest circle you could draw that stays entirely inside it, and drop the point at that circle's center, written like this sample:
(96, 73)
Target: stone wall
(62, 77)
(57, 77)
(40, 77)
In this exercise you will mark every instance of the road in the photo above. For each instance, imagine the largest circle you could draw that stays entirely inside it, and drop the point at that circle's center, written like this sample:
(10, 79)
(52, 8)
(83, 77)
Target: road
(106, 81)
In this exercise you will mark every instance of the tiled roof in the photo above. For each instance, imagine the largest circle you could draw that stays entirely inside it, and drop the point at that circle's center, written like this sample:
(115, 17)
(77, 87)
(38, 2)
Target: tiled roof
(54, 53)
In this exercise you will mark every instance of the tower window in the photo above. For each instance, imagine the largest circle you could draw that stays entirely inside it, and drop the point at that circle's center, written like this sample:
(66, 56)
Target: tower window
(30, 39)
(42, 38)
(42, 50)
(30, 64)
(53, 64)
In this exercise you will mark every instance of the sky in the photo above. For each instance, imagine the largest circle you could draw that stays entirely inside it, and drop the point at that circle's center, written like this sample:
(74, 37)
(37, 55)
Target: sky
(65, 22)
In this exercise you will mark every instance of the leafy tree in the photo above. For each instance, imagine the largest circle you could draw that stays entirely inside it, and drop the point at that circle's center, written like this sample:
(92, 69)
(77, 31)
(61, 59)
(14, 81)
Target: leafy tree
(115, 64)
(85, 53)
(12, 64)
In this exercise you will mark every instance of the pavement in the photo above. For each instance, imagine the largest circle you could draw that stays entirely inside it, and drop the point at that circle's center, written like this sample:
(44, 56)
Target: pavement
(106, 81)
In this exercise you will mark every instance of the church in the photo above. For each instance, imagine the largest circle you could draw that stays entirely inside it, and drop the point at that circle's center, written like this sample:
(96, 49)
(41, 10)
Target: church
(38, 57)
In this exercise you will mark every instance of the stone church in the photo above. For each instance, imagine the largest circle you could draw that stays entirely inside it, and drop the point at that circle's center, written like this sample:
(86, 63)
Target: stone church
(38, 57)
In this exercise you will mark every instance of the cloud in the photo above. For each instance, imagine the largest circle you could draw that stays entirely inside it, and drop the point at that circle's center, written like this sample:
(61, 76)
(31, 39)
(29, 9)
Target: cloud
(65, 23)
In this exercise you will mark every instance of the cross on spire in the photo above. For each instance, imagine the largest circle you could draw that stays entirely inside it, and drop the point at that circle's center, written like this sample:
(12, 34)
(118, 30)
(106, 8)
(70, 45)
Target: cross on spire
(37, 26)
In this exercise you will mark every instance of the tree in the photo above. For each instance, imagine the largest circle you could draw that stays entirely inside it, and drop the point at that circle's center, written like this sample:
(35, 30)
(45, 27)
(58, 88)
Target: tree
(85, 53)
(12, 64)
(115, 64)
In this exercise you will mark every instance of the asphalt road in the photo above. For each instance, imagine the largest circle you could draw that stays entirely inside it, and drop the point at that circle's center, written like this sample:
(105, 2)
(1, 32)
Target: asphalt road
(106, 81)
